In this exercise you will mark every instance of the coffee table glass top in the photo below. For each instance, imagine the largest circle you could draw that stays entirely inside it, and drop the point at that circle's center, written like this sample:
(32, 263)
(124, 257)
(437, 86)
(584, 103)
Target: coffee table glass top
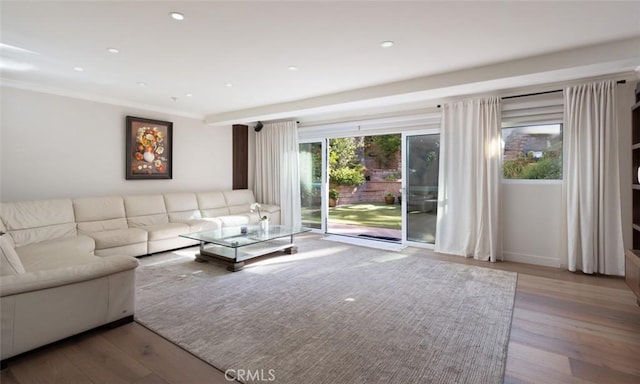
(233, 237)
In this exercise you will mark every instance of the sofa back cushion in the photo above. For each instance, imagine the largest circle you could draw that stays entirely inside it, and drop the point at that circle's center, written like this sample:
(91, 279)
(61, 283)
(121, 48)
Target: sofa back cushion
(143, 210)
(97, 214)
(239, 200)
(38, 220)
(182, 206)
(212, 204)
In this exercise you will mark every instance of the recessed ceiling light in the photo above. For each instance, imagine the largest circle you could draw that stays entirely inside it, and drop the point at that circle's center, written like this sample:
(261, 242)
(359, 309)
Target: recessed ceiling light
(177, 16)
(141, 83)
(292, 68)
(387, 44)
(79, 69)
(229, 85)
(188, 95)
(113, 50)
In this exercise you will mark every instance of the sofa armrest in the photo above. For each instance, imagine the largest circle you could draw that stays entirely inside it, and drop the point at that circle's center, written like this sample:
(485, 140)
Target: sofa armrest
(44, 279)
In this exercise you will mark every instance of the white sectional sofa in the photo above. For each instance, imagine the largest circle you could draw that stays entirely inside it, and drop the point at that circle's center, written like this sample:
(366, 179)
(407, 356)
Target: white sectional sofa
(68, 265)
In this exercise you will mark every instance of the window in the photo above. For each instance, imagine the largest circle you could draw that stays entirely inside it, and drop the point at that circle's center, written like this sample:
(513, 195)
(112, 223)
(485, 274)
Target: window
(532, 152)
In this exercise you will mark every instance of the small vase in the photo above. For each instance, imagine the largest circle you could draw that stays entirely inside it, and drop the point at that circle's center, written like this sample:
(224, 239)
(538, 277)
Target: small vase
(264, 225)
(148, 157)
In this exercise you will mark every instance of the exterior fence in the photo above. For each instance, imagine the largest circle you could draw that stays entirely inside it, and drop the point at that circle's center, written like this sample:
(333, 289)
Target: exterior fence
(369, 192)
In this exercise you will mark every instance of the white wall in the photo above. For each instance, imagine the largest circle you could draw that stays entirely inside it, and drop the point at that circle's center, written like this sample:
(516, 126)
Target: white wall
(54, 146)
(532, 222)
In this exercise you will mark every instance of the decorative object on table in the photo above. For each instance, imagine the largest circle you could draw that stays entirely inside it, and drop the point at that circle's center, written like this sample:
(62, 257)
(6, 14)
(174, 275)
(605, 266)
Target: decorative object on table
(243, 230)
(389, 198)
(256, 207)
(148, 149)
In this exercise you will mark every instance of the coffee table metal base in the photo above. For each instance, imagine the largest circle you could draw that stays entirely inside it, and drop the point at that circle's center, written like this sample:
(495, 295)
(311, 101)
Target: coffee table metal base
(235, 257)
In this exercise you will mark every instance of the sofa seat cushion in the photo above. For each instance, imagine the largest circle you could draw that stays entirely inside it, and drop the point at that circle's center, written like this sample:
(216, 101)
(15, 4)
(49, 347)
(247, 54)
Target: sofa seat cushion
(166, 231)
(10, 263)
(63, 269)
(203, 224)
(237, 220)
(119, 237)
(81, 243)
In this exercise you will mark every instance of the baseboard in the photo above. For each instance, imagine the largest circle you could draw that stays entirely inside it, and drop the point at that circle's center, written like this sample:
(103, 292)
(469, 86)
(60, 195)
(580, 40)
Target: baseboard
(531, 259)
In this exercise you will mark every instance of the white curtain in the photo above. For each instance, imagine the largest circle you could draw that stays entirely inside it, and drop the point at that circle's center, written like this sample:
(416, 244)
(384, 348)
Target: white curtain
(592, 180)
(469, 180)
(277, 176)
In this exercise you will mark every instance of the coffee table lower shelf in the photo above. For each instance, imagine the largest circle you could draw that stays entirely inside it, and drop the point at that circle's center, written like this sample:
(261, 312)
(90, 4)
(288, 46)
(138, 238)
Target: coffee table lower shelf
(235, 257)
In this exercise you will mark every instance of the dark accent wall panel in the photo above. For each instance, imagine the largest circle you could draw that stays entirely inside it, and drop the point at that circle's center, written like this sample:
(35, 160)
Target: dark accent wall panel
(240, 156)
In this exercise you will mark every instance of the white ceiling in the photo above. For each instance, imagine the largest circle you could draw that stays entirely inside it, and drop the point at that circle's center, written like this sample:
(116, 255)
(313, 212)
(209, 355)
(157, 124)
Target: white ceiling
(441, 48)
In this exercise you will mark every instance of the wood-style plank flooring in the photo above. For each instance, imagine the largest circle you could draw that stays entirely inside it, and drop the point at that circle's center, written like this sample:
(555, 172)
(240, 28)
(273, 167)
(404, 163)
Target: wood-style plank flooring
(567, 328)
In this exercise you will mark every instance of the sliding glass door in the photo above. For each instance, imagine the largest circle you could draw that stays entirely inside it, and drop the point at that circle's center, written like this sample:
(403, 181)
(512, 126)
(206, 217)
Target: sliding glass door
(311, 183)
(420, 186)
(409, 172)
(364, 179)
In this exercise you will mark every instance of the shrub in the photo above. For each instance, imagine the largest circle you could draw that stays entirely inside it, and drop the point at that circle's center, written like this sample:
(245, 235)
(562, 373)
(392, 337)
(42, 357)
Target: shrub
(347, 176)
(545, 168)
(548, 167)
(384, 148)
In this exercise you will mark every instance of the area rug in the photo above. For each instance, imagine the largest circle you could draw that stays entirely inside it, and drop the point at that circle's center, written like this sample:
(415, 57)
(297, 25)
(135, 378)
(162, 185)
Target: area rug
(333, 313)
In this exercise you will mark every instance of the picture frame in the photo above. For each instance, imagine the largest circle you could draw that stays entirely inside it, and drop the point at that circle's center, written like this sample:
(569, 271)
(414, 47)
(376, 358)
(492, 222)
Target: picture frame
(149, 149)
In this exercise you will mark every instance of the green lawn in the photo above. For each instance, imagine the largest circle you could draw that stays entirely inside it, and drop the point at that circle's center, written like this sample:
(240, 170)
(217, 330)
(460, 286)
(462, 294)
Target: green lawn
(365, 214)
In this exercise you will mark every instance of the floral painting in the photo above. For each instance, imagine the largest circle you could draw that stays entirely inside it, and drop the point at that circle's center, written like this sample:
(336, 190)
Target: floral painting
(148, 148)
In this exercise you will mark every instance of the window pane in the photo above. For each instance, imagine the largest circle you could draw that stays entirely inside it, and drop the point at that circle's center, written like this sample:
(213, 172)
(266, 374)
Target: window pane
(423, 163)
(310, 155)
(532, 152)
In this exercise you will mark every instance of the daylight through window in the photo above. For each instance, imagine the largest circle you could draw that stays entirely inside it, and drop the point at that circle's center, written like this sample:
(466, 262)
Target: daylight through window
(532, 152)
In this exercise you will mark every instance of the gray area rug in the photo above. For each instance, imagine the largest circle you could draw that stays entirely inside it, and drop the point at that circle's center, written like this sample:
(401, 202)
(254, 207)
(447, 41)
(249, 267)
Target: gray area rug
(333, 313)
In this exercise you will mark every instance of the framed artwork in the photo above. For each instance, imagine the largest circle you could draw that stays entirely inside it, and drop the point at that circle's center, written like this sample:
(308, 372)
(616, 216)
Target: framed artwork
(148, 149)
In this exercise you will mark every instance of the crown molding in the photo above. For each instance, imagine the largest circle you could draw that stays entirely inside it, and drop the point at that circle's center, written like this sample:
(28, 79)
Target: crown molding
(27, 86)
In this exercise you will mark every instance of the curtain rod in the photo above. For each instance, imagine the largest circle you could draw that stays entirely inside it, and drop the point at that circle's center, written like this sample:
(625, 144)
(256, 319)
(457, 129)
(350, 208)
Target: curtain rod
(545, 92)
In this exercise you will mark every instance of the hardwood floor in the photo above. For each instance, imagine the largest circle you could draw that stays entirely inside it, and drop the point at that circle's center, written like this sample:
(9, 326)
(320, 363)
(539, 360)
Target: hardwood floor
(567, 328)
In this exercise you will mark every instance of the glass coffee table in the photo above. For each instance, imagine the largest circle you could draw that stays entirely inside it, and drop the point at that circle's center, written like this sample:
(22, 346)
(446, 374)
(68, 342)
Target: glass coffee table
(235, 245)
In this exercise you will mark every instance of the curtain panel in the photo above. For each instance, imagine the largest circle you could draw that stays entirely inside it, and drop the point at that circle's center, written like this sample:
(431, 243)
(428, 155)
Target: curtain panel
(469, 180)
(277, 172)
(592, 181)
